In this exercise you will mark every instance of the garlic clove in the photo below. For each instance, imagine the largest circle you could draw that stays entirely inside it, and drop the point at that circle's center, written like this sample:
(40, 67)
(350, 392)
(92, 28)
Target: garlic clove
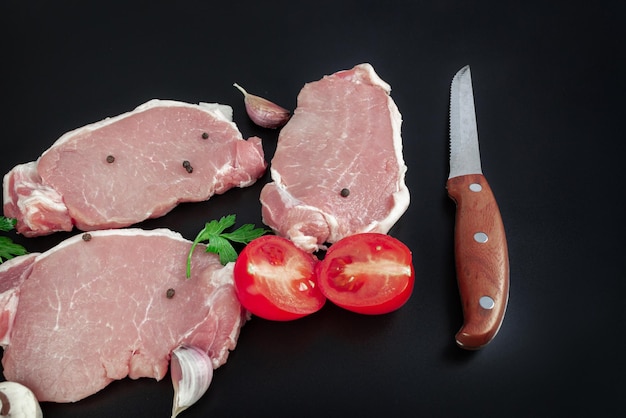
(17, 401)
(263, 112)
(192, 371)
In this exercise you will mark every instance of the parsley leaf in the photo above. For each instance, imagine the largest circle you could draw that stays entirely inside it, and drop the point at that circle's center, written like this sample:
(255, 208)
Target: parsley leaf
(9, 249)
(219, 241)
(7, 224)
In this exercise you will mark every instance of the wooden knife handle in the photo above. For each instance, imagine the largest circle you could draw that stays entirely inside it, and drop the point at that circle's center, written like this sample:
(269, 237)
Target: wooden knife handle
(482, 260)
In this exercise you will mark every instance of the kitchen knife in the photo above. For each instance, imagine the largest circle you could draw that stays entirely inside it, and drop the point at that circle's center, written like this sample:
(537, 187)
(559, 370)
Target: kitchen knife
(480, 248)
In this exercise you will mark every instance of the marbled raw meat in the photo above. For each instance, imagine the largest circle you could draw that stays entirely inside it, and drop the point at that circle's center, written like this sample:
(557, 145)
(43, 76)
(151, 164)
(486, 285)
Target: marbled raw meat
(125, 169)
(344, 134)
(87, 312)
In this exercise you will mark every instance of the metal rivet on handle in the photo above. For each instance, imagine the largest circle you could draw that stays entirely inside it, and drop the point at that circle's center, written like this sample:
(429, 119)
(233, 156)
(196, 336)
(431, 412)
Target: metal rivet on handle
(486, 302)
(475, 187)
(481, 237)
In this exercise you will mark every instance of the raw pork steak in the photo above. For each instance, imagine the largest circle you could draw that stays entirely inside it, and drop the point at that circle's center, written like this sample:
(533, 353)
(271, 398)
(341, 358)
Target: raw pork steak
(89, 311)
(132, 167)
(338, 167)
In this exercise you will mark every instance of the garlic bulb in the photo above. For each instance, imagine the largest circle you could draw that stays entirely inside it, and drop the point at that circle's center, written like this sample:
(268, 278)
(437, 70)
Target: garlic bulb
(192, 371)
(263, 112)
(17, 401)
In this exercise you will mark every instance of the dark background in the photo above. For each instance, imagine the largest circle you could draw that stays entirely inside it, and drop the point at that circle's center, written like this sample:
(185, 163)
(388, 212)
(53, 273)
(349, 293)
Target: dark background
(549, 88)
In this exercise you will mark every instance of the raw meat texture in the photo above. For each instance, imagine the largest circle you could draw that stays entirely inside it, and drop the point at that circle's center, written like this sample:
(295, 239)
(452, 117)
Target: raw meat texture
(92, 311)
(12, 274)
(123, 170)
(344, 134)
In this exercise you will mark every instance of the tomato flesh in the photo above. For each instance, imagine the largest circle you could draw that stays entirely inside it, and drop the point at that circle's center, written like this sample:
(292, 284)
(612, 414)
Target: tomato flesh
(368, 273)
(276, 280)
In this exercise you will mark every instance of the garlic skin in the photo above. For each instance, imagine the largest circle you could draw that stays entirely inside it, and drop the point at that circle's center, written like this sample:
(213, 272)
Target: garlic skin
(263, 112)
(17, 401)
(192, 371)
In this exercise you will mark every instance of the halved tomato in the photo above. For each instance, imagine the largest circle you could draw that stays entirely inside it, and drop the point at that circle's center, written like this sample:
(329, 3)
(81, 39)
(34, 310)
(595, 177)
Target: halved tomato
(368, 273)
(276, 280)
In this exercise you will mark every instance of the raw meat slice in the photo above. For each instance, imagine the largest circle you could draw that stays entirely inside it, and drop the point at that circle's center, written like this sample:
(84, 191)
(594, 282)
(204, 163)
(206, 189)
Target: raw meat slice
(132, 167)
(12, 274)
(95, 308)
(338, 167)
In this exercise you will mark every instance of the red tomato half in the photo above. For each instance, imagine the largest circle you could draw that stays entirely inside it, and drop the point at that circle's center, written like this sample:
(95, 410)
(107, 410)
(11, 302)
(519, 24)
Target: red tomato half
(276, 280)
(368, 273)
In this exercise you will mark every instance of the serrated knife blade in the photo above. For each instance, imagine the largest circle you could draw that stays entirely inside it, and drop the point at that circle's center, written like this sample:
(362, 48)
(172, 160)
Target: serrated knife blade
(480, 247)
(464, 151)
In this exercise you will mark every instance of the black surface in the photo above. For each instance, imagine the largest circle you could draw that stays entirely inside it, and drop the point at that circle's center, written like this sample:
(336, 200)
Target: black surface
(549, 88)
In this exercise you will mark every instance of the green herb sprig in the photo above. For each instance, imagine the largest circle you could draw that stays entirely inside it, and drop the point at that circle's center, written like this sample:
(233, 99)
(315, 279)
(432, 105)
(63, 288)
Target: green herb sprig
(219, 241)
(9, 249)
